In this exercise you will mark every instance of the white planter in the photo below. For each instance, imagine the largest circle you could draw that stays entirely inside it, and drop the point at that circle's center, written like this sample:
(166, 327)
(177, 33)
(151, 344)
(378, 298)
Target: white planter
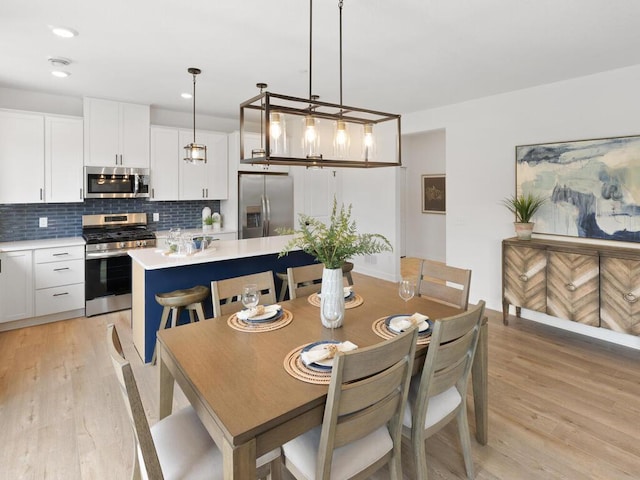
(524, 230)
(332, 298)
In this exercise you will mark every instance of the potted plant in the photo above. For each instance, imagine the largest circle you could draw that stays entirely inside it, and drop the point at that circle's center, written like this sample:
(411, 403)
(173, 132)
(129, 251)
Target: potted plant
(524, 207)
(332, 245)
(207, 223)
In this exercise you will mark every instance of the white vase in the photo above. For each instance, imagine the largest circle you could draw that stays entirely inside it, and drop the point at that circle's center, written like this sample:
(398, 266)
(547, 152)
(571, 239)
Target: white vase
(332, 297)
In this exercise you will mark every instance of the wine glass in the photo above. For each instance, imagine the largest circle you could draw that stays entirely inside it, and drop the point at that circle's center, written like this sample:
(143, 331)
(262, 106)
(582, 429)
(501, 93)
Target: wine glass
(250, 295)
(332, 314)
(406, 290)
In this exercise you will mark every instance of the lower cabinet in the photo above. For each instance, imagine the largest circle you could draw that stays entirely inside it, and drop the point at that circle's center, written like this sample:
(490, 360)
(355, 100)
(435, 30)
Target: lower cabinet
(59, 280)
(595, 285)
(620, 292)
(16, 285)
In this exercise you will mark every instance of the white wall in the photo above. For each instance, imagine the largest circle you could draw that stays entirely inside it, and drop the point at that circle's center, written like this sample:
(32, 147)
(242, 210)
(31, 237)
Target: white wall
(424, 154)
(481, 136)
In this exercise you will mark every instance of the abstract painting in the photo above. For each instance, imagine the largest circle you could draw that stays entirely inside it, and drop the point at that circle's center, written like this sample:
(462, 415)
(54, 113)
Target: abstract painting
(433, 194)
(592, 187)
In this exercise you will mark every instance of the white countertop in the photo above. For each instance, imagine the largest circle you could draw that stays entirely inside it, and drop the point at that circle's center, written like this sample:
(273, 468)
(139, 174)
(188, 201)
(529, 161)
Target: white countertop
(153, 259)
(38, 244)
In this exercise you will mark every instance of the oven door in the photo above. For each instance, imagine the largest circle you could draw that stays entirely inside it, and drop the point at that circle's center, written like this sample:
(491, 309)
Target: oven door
(107, 282)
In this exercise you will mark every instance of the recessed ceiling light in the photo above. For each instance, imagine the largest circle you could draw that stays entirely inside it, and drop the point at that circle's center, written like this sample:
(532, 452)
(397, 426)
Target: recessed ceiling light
(64, 32)
(186, 95)
(60, 73)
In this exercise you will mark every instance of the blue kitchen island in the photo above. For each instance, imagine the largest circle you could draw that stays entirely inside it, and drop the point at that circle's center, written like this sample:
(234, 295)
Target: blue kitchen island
(153, 271)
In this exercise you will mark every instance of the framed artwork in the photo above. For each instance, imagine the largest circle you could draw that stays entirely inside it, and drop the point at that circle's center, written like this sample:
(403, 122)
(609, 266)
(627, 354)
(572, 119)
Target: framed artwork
(434, 198)
(592, 187)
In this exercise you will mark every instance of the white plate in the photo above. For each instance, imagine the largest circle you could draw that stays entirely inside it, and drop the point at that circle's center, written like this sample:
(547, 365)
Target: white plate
(393, 321)
(322, 364)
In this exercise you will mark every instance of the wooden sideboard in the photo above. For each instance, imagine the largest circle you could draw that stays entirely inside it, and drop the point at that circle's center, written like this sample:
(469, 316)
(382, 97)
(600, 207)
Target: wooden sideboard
(597, 285)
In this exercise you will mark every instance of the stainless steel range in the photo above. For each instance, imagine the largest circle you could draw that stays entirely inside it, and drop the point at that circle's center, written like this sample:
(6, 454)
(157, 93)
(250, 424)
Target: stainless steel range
(107, 264)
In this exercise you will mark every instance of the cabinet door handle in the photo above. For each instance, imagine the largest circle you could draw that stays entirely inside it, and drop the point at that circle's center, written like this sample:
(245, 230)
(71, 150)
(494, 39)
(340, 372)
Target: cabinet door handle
(207, 193)
(80, 194)
(60, 269)
(153, 193)
(60, 294)
(629, 297)
(523, 277)
(40, 194)
(116, 159)
(60, 254)
(571, 287)
(203, 193)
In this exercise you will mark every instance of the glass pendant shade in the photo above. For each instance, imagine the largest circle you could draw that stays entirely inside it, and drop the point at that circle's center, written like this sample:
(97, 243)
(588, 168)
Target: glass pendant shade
(311, 137)
(368, 143)
(195, 153)
(278, 134)
(341, 140)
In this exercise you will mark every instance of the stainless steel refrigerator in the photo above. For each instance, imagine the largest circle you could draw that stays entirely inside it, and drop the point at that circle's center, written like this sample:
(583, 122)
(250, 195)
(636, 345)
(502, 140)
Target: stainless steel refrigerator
(265, 203)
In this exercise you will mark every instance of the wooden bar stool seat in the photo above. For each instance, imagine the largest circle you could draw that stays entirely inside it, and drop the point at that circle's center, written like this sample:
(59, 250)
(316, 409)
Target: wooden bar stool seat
(175, 302)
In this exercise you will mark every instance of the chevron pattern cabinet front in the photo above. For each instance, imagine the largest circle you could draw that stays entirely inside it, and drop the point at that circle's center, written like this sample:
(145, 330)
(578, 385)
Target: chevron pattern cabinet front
(620, 294)
(523, 279)
(572, 287)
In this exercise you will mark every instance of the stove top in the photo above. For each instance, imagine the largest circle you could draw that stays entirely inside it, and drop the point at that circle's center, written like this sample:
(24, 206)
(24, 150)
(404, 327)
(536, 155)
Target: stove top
(116, 232)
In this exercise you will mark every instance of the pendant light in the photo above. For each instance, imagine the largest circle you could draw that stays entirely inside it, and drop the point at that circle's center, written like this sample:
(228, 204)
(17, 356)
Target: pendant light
(195, 153)
(309, 121)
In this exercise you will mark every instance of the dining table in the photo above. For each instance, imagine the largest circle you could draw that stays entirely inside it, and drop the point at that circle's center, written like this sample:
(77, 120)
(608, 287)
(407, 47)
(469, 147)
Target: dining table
(249, 402)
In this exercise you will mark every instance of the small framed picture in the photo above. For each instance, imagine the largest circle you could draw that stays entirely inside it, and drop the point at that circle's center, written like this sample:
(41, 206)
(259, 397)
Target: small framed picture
(434, 198)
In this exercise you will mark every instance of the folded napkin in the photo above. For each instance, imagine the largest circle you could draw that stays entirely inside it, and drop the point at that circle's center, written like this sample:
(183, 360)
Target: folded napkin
(259, 310)
(415, 319)
(327, 351)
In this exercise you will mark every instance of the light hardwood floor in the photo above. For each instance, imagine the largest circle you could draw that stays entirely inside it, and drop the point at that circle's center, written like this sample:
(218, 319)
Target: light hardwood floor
(562, 406)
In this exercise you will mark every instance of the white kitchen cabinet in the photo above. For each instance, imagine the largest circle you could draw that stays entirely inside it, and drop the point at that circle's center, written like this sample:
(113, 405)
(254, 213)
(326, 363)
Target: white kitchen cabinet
(63, 159)
(21, 157)
(59, 279)
(205, 180)
(116, 133)
(165, 163)
(16, 285)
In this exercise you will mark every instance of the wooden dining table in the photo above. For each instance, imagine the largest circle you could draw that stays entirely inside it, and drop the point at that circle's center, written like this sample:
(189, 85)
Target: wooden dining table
(249, 403)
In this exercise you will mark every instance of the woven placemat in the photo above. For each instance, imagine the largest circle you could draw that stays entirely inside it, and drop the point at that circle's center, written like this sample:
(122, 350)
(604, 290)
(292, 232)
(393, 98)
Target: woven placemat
(379, 327)
(355, 301)
(295, 367)
(241, 325)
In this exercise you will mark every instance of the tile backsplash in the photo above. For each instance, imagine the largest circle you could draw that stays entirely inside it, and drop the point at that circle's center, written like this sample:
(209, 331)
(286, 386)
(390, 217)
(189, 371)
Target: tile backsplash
(21, 221)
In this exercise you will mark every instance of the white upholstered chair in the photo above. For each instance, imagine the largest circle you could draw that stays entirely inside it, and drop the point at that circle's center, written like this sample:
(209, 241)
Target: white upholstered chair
(178, 446)
(439, 393)
(226, 294)
(362, 426)
(443, 283)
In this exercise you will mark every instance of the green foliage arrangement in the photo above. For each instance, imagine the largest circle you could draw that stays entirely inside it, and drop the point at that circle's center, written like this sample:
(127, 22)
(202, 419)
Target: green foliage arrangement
(524, 206)
(335, 243)
(208, 220)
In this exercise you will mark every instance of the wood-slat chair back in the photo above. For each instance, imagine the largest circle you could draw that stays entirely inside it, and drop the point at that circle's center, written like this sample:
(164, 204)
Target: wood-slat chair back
(368, 391)
(304, 280)
(226, 294)
(135, 410)
(443, 381)
(443, 283)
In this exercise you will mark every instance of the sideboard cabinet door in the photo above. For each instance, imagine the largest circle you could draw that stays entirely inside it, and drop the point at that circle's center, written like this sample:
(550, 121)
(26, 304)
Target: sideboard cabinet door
(524, 279)
(572, 287)
(620, 294)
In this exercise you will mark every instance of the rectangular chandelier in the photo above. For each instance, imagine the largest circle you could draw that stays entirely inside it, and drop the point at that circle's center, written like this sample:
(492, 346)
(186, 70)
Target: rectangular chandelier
(312, 133)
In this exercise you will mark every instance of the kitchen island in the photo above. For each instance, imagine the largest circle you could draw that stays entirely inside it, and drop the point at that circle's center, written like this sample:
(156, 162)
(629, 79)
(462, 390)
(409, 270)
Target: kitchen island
(155, 272)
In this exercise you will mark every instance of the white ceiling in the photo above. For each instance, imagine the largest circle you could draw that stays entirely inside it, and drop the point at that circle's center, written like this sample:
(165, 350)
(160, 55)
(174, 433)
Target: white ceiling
(399, 55)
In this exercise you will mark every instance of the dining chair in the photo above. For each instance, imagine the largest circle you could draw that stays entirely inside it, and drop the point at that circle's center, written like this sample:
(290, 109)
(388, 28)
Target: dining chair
(178, 446)
(226, 294)
(444, 284)
(439, 393)
(362, 426)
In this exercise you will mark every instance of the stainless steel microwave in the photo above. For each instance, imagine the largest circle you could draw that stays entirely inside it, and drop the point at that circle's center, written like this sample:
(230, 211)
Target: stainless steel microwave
(116, 182)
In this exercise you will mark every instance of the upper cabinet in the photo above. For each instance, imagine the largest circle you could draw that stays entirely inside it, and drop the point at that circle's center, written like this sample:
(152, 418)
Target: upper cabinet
(21, 157)
(208, 180)
(116, 133)
(63, 159)
(165, 166)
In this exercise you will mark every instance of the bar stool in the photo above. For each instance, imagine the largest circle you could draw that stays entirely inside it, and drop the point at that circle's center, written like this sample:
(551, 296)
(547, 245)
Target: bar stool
(175, 302)
(346, 273)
